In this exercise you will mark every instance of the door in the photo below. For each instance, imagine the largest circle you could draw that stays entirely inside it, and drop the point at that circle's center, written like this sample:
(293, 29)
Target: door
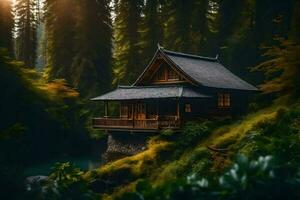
(140, 111)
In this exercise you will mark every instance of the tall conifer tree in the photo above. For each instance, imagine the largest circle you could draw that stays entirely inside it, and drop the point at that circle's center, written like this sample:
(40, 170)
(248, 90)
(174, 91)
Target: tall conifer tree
(127, 37)
(178, 24)
(60, 25)
(186, 25)
(92, 64)
(6, 25)
(26, 28)
(151, 29)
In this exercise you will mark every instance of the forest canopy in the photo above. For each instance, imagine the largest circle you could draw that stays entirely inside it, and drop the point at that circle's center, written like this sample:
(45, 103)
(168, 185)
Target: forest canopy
(55, 55)
(100, 44)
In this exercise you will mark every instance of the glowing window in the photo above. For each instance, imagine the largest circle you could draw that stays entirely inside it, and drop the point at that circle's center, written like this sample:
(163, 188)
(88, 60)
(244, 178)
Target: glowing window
(224, 100)
(188, 108)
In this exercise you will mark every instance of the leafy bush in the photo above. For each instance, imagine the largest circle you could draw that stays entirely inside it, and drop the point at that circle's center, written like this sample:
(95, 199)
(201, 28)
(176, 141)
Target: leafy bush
(65, 182)
(195, 131)
(167, 132)
(256, 179)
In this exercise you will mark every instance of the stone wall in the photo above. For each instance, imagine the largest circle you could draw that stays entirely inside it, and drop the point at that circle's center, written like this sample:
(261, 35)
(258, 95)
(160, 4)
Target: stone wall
(124, 144)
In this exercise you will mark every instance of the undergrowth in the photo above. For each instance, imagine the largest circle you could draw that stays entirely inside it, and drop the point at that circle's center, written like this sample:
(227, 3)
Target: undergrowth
(270, 131)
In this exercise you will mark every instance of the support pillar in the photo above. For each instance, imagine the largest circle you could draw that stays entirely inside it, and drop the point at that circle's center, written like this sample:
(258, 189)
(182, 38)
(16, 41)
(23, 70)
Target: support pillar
(178, 111)
(106, 109)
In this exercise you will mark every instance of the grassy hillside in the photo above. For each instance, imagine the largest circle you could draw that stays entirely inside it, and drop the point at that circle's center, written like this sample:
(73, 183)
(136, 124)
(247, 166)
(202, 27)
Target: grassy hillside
(171, 158)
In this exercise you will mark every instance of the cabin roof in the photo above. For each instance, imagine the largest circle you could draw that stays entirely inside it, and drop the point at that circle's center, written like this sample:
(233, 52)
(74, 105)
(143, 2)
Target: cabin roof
(150, 92)
(203, 71)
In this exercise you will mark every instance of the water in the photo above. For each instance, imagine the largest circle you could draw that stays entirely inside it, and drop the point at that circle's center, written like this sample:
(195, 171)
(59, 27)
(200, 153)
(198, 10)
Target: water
(45, 168)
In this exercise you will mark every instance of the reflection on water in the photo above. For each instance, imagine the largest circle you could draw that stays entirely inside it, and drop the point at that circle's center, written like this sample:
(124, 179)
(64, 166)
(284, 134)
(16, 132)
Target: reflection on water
(84, 163)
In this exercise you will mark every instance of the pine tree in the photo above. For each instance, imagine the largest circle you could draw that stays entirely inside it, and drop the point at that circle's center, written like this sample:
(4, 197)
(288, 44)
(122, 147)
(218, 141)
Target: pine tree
(203, 27)
(281, 69)
(26, 31)
(127, 37)
(6, 25)
(60, 22)
(178, 26)
(244, 27)
(92, 64)
(186, 27)
(294, 33)
(151, 29)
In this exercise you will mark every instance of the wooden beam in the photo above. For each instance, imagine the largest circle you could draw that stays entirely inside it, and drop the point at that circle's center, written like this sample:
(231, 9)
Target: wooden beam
(178, 109)
(106, 109)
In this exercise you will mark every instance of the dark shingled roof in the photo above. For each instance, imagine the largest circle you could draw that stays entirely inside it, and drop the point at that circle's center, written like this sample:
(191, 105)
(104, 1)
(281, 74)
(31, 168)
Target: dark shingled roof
(204, 71)
(150, 92)
(207, 71)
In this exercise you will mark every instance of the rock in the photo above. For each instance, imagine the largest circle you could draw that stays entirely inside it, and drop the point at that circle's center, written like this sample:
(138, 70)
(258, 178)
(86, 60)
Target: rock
(35, 181)
(124, 144)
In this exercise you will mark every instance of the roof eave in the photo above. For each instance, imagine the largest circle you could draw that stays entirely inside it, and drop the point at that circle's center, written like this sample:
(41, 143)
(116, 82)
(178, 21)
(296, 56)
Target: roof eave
(145, 70)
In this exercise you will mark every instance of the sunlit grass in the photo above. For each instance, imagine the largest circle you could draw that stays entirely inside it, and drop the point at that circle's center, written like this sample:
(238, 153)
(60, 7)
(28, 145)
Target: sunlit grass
(196, 158)
(135, 163)
(230, 134)
(240, 128)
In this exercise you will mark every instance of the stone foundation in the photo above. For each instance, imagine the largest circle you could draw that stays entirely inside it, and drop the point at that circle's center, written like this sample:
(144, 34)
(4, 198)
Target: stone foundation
(124, 144)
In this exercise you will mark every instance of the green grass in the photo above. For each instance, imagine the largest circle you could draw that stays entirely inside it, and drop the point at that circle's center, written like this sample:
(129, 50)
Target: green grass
(164, 161)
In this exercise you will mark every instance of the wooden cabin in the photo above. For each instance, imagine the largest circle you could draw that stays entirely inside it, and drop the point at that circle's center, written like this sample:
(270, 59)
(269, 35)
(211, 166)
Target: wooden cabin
(175, 88)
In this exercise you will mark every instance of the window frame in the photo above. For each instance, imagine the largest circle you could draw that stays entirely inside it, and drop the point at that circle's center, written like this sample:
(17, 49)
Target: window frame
(224, 100)
(187, 108)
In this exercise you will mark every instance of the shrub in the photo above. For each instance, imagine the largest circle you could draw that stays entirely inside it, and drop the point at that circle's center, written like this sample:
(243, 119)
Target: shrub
(245, 179)
(167, 132)
(193, 132)
(65, 182)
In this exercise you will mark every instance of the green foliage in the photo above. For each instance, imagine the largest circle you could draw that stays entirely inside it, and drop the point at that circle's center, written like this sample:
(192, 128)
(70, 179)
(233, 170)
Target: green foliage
(195, 132)
(187, 31)
(92, 65)
(79, 44)
(281, 69)
(167, 132)
(272, 131)
(127, 50)
(279, 137)
(256, 179)
(65, 182)
(151, 29)
(60, 41)
(26, 34)
(36, 124)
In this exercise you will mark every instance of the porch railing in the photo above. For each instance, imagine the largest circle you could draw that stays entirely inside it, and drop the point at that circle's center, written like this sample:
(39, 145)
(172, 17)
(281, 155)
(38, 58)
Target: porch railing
(150, 124)
(112, 122)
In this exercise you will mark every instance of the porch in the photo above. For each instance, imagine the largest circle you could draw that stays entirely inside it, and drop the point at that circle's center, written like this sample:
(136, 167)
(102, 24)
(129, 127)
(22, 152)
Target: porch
(148, 108)
(171, 122)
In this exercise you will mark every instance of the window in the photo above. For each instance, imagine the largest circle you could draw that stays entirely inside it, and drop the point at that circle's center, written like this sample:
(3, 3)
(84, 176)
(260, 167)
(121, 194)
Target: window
(188, 108)
(172, 75)
(224, 100)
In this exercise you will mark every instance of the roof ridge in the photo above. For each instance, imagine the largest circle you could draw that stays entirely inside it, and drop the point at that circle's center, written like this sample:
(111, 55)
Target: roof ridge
(190, 55)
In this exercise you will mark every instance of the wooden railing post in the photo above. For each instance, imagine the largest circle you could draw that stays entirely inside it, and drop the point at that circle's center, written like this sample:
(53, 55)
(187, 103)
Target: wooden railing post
(106, 109)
